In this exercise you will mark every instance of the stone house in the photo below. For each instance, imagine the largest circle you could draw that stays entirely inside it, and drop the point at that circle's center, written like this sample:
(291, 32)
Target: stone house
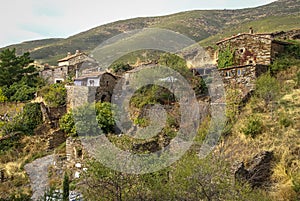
(96, 86)
(74, 59)
(250, 48)
(56, 74)
(68, 67)
(252, 55)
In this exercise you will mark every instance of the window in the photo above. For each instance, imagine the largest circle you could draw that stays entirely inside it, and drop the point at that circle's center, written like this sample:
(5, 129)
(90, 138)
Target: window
(92, 82)
(228, 74)
(239, 72)
(58, 80)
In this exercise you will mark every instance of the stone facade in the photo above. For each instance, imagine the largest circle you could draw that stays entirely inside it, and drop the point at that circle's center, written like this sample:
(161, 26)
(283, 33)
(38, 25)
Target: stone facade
(242, 77)
(68, 67)
(288, 35)
(57, 74)
(83, 93)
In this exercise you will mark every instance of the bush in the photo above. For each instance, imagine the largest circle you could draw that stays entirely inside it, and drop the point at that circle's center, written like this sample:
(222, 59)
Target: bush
(54, 95)
(27, 120)
(285, 121)
(120, 68)
(3, 98)
(226, 58)
(253, 126)
(267, 88)
(82, 121)
(67, 124)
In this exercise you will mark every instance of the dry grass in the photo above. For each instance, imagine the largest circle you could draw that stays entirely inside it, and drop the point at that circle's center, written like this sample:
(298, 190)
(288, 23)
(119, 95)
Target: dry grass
(281, 134)
(13, 161)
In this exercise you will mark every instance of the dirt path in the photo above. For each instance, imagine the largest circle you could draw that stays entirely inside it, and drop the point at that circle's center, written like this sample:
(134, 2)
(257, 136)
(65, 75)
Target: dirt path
(38, 174)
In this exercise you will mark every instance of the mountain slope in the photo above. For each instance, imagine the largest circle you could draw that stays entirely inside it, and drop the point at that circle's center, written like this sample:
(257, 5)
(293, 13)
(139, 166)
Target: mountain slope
(197, 25)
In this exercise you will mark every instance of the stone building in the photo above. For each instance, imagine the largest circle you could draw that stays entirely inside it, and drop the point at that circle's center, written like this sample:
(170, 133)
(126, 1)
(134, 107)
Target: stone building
(252, 54)
(68, 67)
(250, 48)
(74, 59)
(55, 74)
(242, 77)
(97, 86)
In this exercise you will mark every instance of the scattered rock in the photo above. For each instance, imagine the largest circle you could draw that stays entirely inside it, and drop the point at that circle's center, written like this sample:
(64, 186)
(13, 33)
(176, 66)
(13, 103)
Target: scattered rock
(258, 172)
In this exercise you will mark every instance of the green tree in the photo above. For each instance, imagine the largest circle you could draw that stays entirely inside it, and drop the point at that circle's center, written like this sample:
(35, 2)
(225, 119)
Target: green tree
(66, 188)
(105, 116)
(13, 68)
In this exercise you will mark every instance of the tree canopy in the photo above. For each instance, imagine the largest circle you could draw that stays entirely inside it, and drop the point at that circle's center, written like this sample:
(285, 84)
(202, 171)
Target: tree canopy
(18, 78)
(13, 67)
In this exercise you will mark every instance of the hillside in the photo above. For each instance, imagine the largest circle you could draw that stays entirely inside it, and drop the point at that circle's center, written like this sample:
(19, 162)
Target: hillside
(198, 25)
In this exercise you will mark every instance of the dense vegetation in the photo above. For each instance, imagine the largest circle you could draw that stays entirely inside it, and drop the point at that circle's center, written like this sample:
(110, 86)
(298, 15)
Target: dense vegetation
(19, 78)
(82, 120)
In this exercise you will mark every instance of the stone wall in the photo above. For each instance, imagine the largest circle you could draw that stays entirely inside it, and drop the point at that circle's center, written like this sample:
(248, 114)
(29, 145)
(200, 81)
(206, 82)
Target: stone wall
(57, 73)
(242, 77)
(288, 35)
(79, 95)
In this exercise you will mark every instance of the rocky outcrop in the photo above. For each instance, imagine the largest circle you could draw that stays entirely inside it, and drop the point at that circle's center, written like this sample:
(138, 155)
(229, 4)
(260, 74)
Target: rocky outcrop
(258, 171)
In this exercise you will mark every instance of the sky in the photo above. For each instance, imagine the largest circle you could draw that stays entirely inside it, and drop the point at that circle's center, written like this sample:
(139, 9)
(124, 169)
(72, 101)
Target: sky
(38, 19)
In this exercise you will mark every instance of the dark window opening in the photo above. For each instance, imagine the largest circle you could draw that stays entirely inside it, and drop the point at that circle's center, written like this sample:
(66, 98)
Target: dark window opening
(79, 153)
(103, 97)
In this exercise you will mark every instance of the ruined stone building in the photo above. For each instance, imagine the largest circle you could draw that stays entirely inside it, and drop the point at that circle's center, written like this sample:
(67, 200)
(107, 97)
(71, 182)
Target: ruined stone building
(252, 54)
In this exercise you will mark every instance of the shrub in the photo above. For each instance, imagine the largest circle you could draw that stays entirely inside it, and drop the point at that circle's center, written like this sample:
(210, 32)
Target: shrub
(54, 95)
(267, 88)
(120, 68)
(298, 79)
(67, 124)
(226, 58)
(27, 120)
(82, 121)
(285, 121)
(253, 126)
(3, 98)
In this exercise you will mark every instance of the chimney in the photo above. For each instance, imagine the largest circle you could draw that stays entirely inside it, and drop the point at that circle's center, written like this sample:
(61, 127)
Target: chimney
(77, 52)
(251, 30)
(69, 54)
